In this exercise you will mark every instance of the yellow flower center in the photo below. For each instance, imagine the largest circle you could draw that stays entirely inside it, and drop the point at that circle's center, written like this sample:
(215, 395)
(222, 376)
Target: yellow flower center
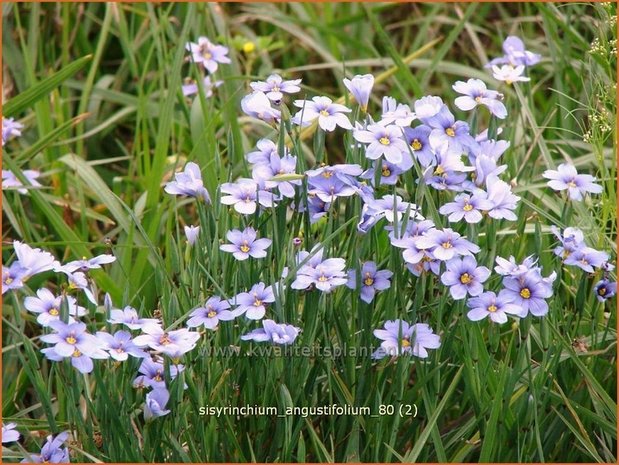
(465, 278)
(467, 207)
(368, 281)
(478, 99)
(257, 303)
(324, 112)
(450, 132)
(244, 247)
(76, 353)
(525, 293)
(416, 145)
(8, 279)
(406, 343)
(327, 174)
(211, 314)
(120, 350)
(53, 312)
(571, 184)
(439, 170)
(323, 278)
(492, 308)
(165, 340)
(447, 245)
(602, 291)
(386, 171)
(158, 377)
(71, 340)
(249, 47)
(384, 140)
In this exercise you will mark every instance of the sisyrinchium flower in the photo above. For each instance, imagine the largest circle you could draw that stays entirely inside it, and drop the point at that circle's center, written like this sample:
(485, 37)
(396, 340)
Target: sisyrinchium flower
(504, 202)
(387, 141)
(9, 180)
(511, 268)
(571, 240)
(446, 244)
(152, 373)
(208, 54)
(48, 307)
(86, 264)
(52, 451)
(529, 292)
(360, 86)
(515, 54)
(567, 178)
(171, 343)
(81, 361)
(449, 132)
(402, 338)
(587, 258)
(245, 195)
(191, 86)
(258, 105)
(265, 149)
(254, 302)
(281, 334)
(10, 128)
(275, 87)
(329, 114)
(489, 305)
(71, 338)
(328, 188)
(396, 113)
(155, 405)
(130, 318)
(120, 345)
(191, 233)
(605, 289)
(418, 139)
(325, 275)
(509, 74)
(476, 93)
(278, 166)
(371, 279)
(463, 277)
(467, 206)
(389, 172)
(9, 433)
(189, 183)
(244, 244)
(211, 313)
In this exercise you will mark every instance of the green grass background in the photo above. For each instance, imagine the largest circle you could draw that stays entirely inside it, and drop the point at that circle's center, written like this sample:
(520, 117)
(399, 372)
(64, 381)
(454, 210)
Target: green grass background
(98, 89)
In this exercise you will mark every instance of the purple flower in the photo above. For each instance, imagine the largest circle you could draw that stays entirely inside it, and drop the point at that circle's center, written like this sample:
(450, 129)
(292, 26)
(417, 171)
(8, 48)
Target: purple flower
(344, 172)
(245, 195)
(192, 232)
(604, 290)
(34, 260)
(275, 87)
(278, 167)
(529, 292)
(13, 277)
(428, 106)
(391, 207)
(328, 188)
(155, 404)
(566, 177)
(79, 360)
(509, 74)
(69, 339)
(418, 140)
(153, 374)
(130, 318)
(446, 244)
(120, 345)
(87, 264)
(587, 258)
(329, 114)
(396, 113)
(207, 53)
(504, 202)
(515, 54)
(388, 171)
(360, 87)
(485, 167)
(10, 128)
(9, 434)
(371, 279)
(189, 183)
(172, 343)
(282, 334)
(414, 230)
(384, 141)
(52, 451)
(491, 306)
(191, 87)
(266, 149)
(449, 132)
(400, 338)
(463, 277)
(211, 313)
(467, 206)
(245, 245)
(253, 303)
(325, 275)
(9, 180)
(511, 268)
(317, 208)
(47, 305)
(476, 93)
(258, 105)
(572, 240)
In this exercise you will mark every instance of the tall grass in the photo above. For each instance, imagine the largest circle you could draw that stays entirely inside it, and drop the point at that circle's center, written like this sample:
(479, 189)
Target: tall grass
(98, 88)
